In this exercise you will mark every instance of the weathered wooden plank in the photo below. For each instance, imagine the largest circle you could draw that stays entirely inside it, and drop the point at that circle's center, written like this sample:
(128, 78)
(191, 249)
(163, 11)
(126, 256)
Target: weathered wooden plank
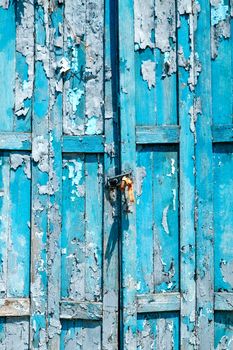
(204, 187)
(221, 63)
(81, 334)
(24, 75)
(18, 259)
(187, 185)
(223, 301)
(7, 64)
(15, 141)
(222, 133)
(158, 331)
(166, 70)
(14, 333)
(165, 218)
(93, 227)
(14, 307)
(83, 144)
(223, 330)
(94, 70)
(111, 198)
(55, 177)
(158, 302)
(145, 93)
(40, 180)
(73, 67)
(5, 220)
(223, 218)
(73, 228)
(81, 310)
(128, 163)
(157, 134)
(145, 220)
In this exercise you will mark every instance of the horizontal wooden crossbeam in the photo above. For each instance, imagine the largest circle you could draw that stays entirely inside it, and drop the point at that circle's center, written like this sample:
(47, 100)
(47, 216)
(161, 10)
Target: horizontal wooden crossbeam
(222, 133)
(14, 307)
(169, 134)
(83, 144)
(158, 302)
(157, 134)
(147, 303)
(15, 141)
(81, 310)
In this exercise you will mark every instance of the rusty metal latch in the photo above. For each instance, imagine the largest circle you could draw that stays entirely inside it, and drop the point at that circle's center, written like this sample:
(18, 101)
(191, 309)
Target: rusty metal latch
(124, 182)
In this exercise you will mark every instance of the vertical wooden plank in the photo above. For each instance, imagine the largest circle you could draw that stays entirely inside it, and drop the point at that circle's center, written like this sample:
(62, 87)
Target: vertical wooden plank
(223, 330)
(222, 60)
(111, 198)
(24, 15)
(94, 72)
(187, 187)
(165, 219)
(166, 57)
(128, 161)
(145, 209)
(83, 335)
(7, 63)
(40, 178)
(145, 62)
(73, 228)
(204, 186)
(158, 331)
(17, 333)
(18, 269)
(223, 217)
(55, 177)
(93, 228)
(5, 220)
(73, 67)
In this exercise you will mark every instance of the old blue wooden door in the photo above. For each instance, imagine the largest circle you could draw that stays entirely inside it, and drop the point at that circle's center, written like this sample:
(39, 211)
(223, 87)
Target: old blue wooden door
(91, 89)
(58, 233)
(176, 136)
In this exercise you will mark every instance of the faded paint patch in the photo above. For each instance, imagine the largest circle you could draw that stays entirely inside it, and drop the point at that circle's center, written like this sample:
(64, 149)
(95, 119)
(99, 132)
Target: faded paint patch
(40, 153)
(194, 111)
(76, 175)
(220, 25)
(148, 73)
(18, 160)
(227, 271)
(144, 23)
(165, 220)
(164, 334)
(140, 175)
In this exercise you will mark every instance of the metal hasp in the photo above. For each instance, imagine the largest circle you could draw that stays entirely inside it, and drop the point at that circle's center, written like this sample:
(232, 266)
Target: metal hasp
(115, 181)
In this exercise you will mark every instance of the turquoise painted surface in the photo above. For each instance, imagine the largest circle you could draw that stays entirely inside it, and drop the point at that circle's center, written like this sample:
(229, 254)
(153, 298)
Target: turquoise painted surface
(15, 182)
(83, 335)
(157, 219)
(158, 331)
(82, 227)
(223, 330)
(223, 216)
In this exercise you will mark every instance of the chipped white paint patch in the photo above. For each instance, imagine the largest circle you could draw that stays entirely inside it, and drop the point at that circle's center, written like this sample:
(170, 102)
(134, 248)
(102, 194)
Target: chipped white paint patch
(140, 175)
(40, 153)
(74, 97)
(219, 12)
(144, 23)
(173, 168)
(174, 198)
(18, 160)
(148, 73)
(164, 219)
(75, 169)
